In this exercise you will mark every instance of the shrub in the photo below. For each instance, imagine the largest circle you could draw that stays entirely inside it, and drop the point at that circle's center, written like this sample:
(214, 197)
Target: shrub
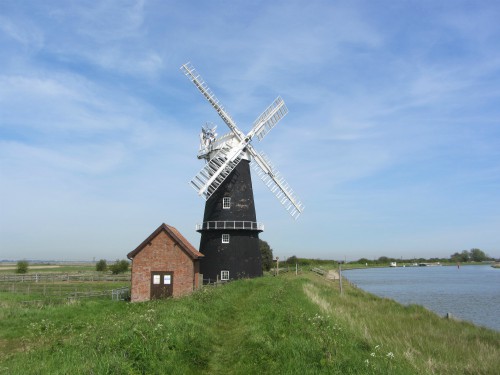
(22, 266)
(266, 255)
(120, 266)
(101, 265)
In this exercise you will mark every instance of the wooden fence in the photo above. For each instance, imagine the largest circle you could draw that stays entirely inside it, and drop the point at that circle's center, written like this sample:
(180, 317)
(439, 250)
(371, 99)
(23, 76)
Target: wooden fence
(319, 271)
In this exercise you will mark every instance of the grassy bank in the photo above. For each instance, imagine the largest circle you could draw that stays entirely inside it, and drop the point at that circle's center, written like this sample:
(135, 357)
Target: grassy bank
(287, 324)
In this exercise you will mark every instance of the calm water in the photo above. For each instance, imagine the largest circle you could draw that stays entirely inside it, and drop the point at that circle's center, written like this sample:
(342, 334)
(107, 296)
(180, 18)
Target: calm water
(470, 292)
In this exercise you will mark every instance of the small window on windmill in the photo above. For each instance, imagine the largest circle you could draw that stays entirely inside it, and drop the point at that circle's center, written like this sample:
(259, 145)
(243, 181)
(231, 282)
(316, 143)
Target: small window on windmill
(226, 203)
(225, 238)
(224, 275)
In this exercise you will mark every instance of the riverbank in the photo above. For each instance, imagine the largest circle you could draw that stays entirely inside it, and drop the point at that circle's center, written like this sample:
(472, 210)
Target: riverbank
(285, 324)
(468, 293)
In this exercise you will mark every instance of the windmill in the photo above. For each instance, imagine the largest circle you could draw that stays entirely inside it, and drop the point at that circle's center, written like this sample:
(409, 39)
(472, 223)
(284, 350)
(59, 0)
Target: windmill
(230, 231)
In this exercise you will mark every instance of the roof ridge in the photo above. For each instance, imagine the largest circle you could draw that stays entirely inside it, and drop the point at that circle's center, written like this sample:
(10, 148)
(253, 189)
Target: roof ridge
(175, 234)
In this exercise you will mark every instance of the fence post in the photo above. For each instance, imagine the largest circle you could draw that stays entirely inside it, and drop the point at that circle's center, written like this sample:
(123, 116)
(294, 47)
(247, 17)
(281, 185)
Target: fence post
(340, 279)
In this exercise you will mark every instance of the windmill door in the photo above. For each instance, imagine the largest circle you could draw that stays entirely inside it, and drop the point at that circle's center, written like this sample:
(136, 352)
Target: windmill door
(162, 284)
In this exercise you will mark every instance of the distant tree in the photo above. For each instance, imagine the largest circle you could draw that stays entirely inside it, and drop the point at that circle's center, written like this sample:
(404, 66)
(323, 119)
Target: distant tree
(477, 255)
(362, 261)
(383, 259)
(101, 265)
(462, 257)
(22, 266)
(120, 266)
(292, 260)
(266, 255)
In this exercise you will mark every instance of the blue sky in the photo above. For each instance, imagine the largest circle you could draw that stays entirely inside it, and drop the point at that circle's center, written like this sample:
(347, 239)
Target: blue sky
(392, 139)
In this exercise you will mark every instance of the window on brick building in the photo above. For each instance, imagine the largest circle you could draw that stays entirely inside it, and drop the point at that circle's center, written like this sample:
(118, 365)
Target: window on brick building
(224, 275)
(225, 238)
(226, 203)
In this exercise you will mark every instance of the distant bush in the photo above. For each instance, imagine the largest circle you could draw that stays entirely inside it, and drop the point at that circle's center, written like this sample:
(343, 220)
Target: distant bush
(120, 266)
(266, 255)
(22, 266)
(304, 261)
(101, 265)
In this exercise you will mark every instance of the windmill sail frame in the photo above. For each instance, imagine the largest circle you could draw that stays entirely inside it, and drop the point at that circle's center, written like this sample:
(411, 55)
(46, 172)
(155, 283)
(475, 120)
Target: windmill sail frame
(225, 160)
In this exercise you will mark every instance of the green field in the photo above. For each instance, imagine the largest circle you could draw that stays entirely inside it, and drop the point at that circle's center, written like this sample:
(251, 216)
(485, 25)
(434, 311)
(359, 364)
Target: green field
(10, 267)
(51, 287)
(271, 325)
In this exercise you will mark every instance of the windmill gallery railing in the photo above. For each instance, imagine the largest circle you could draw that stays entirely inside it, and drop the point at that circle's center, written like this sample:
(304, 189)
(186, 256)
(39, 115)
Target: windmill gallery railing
(248, 225)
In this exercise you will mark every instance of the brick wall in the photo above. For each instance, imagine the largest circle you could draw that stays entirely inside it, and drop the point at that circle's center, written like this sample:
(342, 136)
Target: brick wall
(163, 254)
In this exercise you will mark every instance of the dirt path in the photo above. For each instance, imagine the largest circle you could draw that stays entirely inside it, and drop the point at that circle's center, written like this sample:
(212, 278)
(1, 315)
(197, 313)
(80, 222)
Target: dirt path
(332, 275)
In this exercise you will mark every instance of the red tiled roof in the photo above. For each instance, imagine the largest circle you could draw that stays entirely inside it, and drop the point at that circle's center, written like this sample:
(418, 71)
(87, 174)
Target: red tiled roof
(176, 235)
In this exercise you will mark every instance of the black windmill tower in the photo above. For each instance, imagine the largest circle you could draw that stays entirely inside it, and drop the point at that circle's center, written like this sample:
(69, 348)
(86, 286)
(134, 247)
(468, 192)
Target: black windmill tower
(230, 231)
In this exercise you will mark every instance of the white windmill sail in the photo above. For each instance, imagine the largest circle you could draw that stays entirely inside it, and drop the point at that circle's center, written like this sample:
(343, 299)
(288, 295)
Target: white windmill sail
(216, 170)
(229, 155)
(198, 81)
(276, 183)
(269, 118)
(214, 173)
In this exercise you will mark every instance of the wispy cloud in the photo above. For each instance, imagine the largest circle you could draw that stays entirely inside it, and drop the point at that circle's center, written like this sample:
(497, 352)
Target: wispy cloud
(23, 32)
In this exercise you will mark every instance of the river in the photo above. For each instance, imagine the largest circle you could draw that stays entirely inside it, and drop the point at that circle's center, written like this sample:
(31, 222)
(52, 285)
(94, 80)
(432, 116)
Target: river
(469, 293)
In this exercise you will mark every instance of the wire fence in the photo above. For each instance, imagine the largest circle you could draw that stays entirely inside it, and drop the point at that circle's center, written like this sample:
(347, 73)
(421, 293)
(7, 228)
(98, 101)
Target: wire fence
(55, 288)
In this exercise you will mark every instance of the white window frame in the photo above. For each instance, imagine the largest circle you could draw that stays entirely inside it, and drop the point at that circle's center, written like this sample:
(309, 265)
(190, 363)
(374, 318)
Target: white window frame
(226, 203)
(225, 238)
(224, 275)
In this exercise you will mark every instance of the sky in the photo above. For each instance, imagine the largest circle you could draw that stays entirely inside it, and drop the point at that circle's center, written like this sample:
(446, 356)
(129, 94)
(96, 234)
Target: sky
(392, 140)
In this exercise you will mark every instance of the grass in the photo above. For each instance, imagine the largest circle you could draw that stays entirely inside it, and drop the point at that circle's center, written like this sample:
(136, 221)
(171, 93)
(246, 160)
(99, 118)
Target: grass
(53, 291)
(76, 281)
(287, 324)
(430, 344)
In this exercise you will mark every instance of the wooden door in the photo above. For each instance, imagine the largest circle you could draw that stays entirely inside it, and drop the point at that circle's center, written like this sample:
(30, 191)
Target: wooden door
(162, 284)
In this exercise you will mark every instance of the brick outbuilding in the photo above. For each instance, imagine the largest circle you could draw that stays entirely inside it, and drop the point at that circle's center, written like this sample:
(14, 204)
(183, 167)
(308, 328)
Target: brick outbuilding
(164, 265)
